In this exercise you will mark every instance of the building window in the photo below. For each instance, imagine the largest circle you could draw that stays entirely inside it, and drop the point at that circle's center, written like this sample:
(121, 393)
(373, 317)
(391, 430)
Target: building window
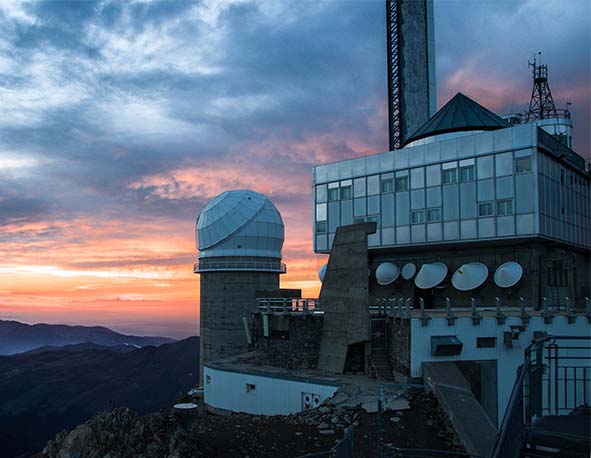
(433, 214)
(208, 379)
(450, 176)
(387, 186)
(523, 165)
(485, 209)
(359, 220)
(467, 173)
(346, 192)
(250, 387)
(417, 217)
(401, 184)
(320, 227)
(486, 342)
(504, 207)
(333, 194)
(372, 219)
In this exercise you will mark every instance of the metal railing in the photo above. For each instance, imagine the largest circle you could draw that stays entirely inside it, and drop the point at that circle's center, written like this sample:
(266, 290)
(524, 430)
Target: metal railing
(342, 449)
(289, 306)
(402, 307)
(205, 265)
(555, 378)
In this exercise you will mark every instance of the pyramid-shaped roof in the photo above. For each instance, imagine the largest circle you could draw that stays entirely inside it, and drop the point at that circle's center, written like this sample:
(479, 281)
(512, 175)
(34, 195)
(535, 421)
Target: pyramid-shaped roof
(461, 113)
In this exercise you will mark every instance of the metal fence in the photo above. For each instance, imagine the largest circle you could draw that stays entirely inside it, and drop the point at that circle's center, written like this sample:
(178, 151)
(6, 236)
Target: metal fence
(342, 449)
(205, 265)
(554, 379)
(287, 306)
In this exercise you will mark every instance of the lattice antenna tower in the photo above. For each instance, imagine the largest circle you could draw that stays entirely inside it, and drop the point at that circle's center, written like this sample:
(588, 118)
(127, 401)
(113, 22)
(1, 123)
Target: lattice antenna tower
(541, 105)
(394, 91)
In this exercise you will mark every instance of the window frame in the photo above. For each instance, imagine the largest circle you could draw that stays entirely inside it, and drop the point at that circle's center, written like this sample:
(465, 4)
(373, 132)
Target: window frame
(336, 192)
(390, 182)
(453, 171)
(434, 209)
(472, 168)
(417, 212)
(325, 225)
(398, 180)
(348, 188)
(518, 159)
(504, 213)
(492, 209)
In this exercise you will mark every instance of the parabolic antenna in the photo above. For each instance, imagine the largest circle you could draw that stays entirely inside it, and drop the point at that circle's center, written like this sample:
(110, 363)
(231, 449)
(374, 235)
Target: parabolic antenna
(409, 270)
(430, 275)
(386, 273)
(469, 276)
(322, 272)
(508, 274)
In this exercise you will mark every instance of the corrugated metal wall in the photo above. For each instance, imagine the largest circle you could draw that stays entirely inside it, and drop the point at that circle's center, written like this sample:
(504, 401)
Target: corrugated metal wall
(270, 396)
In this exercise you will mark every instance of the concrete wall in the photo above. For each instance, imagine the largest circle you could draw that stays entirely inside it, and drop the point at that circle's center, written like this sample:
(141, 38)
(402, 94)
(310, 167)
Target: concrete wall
(398, 342)
(508, 358)
(534, 257)
(293, 341)
(344, 296)
(270, 396)
(226, 297)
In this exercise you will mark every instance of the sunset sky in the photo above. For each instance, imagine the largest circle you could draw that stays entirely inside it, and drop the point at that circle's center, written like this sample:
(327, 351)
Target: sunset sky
(120, 120)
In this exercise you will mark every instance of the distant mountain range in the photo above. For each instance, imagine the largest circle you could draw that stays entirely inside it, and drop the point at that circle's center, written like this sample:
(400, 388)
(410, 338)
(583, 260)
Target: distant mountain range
(50, 389)
(18, 337)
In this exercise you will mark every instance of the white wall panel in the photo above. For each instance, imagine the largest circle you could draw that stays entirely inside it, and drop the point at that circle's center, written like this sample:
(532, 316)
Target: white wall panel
(271, 396)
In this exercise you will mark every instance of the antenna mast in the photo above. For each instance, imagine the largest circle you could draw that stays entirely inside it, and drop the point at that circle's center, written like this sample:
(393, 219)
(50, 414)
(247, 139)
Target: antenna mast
(394, 92)
(541, 105)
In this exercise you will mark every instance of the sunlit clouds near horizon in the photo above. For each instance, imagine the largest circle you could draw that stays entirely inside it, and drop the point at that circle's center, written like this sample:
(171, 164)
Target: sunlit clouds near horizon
(120, 120)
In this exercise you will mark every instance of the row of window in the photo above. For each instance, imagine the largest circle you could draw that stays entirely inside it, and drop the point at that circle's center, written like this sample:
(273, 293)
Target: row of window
(401, 183)
(503, 208)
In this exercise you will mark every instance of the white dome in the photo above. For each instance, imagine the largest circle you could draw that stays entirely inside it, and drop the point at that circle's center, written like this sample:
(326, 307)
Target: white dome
(386, 273)
(240, 223)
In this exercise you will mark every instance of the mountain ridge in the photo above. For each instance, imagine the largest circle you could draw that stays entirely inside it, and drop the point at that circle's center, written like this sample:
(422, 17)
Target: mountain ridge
(17, 337)
(44, 392)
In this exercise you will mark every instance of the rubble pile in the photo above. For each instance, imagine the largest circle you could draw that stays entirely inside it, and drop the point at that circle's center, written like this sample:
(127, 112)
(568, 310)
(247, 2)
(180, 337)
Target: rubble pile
(410, 419)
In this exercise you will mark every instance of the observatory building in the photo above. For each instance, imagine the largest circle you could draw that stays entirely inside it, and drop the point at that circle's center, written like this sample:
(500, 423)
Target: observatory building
(239, 237)
(461, 255)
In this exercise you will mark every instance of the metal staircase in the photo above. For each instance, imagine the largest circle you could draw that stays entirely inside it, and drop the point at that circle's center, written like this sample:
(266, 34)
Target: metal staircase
(548, 414)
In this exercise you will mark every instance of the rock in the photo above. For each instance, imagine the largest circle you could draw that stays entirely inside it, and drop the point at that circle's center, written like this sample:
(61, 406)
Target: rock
(395, 419)
(322, 425)
(396, 404)
(326, 432)
(370, 406)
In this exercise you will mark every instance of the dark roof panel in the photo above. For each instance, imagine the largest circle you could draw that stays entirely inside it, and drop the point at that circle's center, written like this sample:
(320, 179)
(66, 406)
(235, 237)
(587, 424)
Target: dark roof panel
(461, 113)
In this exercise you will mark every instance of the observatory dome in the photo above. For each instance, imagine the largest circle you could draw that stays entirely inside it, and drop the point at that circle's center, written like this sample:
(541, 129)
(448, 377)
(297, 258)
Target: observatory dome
(240, 223)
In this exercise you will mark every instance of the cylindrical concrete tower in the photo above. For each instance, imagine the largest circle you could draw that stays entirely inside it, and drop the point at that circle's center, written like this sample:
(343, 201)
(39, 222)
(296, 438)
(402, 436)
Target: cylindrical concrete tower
(239, 237)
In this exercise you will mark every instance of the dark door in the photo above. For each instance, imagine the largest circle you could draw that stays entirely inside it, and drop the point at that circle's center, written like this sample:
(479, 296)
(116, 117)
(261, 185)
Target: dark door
(377, 333)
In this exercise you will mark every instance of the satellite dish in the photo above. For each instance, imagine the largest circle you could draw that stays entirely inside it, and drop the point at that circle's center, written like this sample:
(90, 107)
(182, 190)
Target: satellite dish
(431, 275)
(322, 272)
(469, 276)
(409, 270)
(508, 274)
(386, 273)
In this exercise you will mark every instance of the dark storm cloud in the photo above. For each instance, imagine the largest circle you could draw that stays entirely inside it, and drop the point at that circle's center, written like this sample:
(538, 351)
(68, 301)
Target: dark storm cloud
(113, 93)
